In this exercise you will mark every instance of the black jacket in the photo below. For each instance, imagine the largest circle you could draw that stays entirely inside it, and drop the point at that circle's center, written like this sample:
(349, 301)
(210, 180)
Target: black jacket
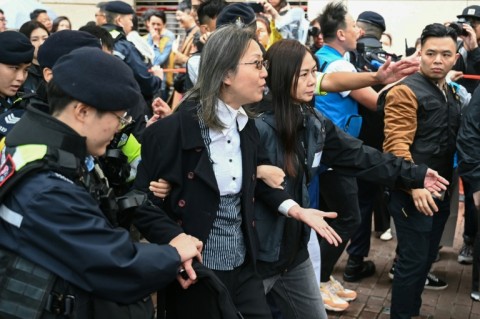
(173, 149)
(283, 241)
(468, 143)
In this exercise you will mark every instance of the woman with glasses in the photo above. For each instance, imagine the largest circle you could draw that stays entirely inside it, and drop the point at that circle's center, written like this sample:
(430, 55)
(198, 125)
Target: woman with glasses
(301, 141)
(208, 152)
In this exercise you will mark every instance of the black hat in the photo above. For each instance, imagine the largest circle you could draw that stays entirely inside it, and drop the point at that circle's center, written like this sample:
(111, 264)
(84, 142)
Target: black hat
(63, 42)
(119, 7)
(372, 18)
(15, 48)
(470, 12)
(98, 79)
(236, 13)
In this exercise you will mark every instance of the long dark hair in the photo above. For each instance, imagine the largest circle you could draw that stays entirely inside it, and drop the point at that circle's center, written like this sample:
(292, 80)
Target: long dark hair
(282, 81)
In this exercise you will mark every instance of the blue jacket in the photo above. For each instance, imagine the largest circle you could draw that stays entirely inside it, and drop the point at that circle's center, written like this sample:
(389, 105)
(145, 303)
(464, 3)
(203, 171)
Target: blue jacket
(342, 111)
(125, 50)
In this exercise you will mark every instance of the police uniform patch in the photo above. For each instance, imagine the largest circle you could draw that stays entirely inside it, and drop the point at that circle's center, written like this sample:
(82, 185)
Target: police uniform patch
(7, 168)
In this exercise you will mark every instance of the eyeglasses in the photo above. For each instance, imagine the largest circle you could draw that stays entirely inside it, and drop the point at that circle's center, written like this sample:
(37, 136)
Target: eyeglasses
(258, 64)
(123, 120)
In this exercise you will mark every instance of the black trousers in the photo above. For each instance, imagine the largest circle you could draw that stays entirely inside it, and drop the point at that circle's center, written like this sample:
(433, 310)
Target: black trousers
(243, 283)
(418, 239)
(338, 193)
(370, 199)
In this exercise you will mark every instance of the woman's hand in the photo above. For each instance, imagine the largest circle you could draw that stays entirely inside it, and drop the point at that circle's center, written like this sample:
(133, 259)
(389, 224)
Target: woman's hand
(160, 189)
(271, 175)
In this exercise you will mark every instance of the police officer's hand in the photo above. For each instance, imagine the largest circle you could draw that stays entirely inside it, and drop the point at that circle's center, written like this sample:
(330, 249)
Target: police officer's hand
(160, 188)
(423, 201)
(314, 218)
(188, 247)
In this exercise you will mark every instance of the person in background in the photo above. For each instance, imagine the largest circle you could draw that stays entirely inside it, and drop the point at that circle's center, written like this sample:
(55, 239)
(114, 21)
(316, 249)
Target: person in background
(16, 54)
(422, 117)
(61, 23)
(159, 37)
(340, 34)
(386, 41)
(468, 143)
(102, 34)
(37, 33)
(41, 16)
(100, 17)
(315, 31)
(469, 63)
(3, 21)
(119, 17)
(207, 13)
(263, 31)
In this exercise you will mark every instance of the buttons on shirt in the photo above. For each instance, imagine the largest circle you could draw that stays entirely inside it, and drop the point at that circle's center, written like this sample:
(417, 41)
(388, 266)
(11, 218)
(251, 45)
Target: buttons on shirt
(190, 175)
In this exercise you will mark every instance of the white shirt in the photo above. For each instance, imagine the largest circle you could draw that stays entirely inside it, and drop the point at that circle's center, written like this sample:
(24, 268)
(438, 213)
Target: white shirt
(225, 149)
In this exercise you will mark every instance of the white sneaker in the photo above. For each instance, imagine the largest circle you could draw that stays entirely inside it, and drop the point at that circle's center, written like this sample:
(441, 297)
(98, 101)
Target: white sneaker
(387, 235)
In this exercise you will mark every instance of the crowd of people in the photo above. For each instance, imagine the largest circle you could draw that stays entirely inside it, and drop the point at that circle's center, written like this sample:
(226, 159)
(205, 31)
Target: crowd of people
(222, 172)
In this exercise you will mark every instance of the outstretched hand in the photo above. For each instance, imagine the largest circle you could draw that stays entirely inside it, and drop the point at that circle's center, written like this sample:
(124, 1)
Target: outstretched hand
(391, 72)
(315, 219)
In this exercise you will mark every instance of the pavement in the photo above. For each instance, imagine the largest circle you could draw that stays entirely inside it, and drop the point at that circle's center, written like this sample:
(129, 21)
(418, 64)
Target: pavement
(374, 293)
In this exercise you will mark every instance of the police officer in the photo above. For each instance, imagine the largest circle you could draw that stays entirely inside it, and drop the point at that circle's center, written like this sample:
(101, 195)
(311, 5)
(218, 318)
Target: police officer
(119, 17)
(54, 238)
(16, 54)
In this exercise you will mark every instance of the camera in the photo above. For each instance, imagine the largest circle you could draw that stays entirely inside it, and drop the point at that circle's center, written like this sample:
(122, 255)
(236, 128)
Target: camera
(458, 27)
(313, 31)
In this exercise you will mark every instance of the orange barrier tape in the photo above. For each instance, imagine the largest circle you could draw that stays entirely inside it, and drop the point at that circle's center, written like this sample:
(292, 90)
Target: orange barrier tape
(471, 77)
(179, 70)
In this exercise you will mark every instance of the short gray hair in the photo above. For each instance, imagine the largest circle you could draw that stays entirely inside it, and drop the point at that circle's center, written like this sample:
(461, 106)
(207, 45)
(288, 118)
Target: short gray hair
(220, 55)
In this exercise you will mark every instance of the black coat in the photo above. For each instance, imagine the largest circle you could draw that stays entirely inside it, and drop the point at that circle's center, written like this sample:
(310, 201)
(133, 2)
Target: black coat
(173, 149)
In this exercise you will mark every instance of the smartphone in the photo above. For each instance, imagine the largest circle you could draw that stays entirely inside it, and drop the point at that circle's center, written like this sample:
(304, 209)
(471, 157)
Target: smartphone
(257, 7)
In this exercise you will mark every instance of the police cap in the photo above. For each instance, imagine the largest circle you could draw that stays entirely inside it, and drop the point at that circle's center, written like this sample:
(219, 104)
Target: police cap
(15, 48)
(119, 7)
(236, 13)
(372, 18)
(63, 42)
(97, 79)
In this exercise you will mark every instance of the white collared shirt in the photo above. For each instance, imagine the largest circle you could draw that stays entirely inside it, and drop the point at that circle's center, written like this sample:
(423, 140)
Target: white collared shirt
(225, 149)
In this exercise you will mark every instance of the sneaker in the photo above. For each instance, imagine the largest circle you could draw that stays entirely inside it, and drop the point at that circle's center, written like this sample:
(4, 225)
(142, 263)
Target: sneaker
(466, 254)
(475, 295)
(387, 235)
(330, 300)
(391, 272)
(433, 283)
(340, 291)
